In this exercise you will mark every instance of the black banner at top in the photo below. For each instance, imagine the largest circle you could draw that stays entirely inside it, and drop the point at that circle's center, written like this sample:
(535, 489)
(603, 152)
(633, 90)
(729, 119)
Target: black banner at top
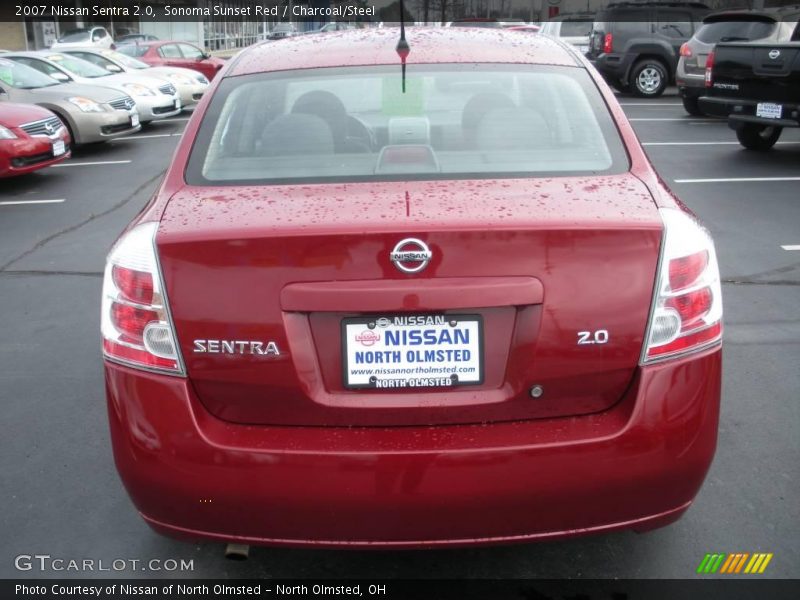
(372, 11)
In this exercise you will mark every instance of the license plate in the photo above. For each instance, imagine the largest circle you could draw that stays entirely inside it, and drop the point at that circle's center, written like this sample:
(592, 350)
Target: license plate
(59, 148)
(134, 119)
(177, 103)
(768, 110)
(412, 351)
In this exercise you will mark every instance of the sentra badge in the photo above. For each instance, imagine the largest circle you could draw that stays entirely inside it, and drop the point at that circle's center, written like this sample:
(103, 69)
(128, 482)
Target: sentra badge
(236, 347)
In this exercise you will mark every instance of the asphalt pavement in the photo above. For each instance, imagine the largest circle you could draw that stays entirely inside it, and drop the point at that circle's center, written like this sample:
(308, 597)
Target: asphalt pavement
(61, 494)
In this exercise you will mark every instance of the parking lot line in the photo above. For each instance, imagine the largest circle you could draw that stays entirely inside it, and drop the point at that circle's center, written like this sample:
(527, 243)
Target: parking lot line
(146, 137)
(16, 202)
(791, 247)
(92, 164)
(737, 180)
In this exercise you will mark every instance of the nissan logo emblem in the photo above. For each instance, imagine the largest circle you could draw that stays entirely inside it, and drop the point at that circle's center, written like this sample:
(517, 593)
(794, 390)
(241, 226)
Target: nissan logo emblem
(773, 54)
(411, 255)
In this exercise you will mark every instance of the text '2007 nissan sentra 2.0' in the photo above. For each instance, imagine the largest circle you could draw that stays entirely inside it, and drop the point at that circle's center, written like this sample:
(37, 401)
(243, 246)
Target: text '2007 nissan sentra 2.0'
(448, 302)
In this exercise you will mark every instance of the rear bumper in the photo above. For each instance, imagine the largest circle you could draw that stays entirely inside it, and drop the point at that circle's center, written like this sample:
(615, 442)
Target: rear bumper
(740, 111)
(636, 466)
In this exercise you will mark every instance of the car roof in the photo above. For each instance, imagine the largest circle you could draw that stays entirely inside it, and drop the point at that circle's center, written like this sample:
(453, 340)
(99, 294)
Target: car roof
(365, 47)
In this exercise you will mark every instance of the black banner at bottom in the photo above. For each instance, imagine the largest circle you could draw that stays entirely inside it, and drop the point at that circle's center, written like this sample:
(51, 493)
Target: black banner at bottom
(422, 589)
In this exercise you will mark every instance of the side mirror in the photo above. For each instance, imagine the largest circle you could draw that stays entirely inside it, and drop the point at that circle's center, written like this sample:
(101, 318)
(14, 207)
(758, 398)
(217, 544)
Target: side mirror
(205, 56)
(62, 77)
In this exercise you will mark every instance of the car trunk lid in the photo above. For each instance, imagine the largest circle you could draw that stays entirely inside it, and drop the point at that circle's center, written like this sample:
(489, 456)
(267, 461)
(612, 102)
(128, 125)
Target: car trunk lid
(271, 287)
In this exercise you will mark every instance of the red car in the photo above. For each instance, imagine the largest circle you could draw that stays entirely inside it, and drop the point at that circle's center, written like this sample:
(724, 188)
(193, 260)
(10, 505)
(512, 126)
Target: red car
(31, 138)
(174, 54)
(444, 304)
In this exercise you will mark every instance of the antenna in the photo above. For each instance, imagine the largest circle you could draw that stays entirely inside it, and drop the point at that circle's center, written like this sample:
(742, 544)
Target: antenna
(403, 49)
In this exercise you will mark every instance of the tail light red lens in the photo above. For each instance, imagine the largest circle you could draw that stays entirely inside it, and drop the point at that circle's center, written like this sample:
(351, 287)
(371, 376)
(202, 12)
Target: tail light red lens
(136, 286)
(136, 325)
(685, 270)
(710, 69)
(608, 43)
(687, 306)
(685, 50)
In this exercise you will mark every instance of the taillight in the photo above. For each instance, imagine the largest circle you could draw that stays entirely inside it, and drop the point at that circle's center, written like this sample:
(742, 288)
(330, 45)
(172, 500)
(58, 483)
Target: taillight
(685, 50)
(608, 43)
(135, 322)
(709, 69)
(687, 307)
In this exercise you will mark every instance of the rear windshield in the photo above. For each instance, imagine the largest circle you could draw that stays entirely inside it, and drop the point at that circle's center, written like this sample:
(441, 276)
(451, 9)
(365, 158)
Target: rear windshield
(576, 28)
(733, 31)
(452, 121)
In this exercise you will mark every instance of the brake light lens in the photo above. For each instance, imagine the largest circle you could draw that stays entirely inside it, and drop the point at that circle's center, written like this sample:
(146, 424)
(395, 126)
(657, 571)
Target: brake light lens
(608, 43)
(687, 308)
(685, 50)
(135, 322)
(709, 69)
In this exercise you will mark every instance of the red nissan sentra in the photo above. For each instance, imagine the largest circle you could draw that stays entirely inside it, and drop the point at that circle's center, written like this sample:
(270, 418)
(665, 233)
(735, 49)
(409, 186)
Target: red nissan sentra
(450, 303)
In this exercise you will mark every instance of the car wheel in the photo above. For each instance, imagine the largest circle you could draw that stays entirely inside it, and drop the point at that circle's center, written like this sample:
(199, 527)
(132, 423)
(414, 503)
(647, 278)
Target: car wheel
(758, 137)
(691, 106)
(649, 79)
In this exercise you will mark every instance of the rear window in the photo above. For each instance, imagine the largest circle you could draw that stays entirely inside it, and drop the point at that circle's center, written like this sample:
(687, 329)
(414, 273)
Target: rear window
(452, 121)
(576, 28)
(732, 31)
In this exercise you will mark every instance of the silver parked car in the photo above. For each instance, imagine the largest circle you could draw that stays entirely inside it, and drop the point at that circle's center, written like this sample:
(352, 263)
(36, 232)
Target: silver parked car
(91, 113)
(155, 98)
(770, 25)
(190, 84)
(574, 29)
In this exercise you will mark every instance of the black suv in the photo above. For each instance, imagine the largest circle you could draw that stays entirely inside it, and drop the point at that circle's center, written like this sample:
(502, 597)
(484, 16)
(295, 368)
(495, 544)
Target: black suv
(636, 45)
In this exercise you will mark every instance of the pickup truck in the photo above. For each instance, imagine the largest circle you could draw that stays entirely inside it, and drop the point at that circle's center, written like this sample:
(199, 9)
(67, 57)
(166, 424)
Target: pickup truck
(757, 87)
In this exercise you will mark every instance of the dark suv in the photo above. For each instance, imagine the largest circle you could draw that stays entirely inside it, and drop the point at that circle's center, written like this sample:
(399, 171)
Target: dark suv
(636, 45)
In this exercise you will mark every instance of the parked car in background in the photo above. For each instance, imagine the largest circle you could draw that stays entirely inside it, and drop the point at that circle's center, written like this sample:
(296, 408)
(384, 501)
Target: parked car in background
(281, 31)
(574, 29)
(175, 54)
(767, 26)
(31, 138)
(352, 316)
(525, 28)
(756, 85)
(91, 113)
(636, 45)
(133, 38)
(96, 37)
(336, 26)
(155, 98)
(476, 22)
(190, 84)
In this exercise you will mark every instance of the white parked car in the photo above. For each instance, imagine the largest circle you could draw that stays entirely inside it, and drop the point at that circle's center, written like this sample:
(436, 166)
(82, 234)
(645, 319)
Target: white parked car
(155, 98)
(96, 37)
(190, 84)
